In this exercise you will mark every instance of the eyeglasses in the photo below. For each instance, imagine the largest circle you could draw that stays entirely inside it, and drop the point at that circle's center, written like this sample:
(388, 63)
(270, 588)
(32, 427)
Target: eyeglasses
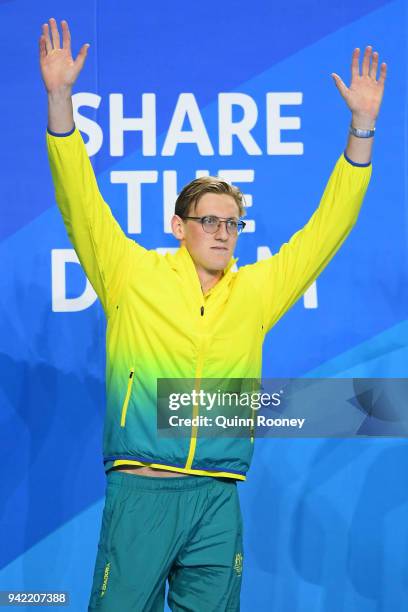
(211, 224)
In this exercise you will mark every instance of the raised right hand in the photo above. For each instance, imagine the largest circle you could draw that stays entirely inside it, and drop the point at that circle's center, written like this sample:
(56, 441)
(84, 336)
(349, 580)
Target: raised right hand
(58, 68)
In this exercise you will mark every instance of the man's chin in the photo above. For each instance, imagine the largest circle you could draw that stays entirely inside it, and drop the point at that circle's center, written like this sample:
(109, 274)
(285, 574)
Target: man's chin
(219, 262)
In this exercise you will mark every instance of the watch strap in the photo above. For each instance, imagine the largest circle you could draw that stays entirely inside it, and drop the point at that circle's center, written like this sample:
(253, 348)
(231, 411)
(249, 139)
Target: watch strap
(359, 133)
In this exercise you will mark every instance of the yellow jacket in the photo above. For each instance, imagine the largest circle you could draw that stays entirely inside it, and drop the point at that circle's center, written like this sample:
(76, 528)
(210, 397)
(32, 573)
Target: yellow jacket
(160, 325)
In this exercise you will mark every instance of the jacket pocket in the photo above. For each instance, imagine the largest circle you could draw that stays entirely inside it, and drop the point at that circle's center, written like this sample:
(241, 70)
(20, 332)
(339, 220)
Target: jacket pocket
(127, 397)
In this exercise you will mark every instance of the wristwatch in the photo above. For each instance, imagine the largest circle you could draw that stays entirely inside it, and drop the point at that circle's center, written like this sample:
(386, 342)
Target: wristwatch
(361, 133)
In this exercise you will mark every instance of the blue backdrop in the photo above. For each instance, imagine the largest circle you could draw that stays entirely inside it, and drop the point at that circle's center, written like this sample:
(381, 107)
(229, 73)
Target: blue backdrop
(326, 525)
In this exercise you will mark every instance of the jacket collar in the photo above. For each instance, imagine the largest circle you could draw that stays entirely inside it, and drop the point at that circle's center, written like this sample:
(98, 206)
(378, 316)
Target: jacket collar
(182, 262)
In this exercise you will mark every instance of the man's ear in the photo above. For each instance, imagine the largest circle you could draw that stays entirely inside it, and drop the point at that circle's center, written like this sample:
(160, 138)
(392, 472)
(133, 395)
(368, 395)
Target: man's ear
(177, 227)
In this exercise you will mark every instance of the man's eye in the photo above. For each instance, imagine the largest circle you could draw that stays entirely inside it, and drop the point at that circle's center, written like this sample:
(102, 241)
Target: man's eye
(211, 220)
(232, 224)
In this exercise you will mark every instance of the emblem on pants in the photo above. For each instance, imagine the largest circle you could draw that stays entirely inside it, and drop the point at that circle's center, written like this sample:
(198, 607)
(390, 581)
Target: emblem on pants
(105, 579)
(238, 564)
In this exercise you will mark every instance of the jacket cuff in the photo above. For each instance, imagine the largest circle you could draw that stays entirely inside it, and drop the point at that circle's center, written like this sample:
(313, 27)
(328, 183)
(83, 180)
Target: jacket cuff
(61, 135)
(353, 163)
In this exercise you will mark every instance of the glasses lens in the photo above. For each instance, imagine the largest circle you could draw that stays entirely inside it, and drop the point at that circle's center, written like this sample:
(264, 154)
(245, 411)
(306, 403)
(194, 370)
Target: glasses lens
(232, 226)
(210, 224)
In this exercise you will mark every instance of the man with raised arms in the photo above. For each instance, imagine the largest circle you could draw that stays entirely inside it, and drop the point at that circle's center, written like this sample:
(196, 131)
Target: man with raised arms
(172, 509)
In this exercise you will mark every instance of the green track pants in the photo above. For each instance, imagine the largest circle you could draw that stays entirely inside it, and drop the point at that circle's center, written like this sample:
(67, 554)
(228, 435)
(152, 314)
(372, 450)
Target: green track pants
(187, 530)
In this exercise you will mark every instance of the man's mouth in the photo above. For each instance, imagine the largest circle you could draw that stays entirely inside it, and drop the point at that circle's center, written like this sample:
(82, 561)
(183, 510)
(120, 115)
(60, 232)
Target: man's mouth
(219, 248)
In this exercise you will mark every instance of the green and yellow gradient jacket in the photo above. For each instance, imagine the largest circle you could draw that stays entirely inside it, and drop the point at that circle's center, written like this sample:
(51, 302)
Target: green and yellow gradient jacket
(159, 323)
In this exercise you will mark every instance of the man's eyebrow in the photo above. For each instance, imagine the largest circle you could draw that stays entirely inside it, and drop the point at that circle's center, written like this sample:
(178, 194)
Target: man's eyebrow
(218, 217)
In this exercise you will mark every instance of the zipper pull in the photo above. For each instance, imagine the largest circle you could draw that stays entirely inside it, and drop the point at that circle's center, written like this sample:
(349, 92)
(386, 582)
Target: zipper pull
(131, 374)
(202, 311)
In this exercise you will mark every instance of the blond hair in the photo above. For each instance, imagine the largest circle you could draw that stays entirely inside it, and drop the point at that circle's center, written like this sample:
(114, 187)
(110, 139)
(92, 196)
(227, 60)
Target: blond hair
(190, 195)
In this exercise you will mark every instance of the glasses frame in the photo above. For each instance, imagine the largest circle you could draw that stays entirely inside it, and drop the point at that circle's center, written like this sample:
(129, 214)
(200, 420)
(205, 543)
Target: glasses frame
(240, 224)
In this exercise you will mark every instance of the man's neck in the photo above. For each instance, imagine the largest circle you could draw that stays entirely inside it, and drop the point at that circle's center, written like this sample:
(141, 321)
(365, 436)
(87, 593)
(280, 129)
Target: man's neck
(208, 279)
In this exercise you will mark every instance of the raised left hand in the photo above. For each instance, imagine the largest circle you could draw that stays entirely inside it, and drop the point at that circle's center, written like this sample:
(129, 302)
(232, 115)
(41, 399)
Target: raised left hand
(365, 93)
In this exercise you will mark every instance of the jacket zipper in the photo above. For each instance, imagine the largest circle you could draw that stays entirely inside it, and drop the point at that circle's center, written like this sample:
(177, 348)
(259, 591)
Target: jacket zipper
(198, 373)
(127, 397)
(252, 428)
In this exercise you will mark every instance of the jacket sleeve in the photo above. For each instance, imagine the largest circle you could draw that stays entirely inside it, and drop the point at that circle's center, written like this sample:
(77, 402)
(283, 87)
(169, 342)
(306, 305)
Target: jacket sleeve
(284, 277)
(102, 247)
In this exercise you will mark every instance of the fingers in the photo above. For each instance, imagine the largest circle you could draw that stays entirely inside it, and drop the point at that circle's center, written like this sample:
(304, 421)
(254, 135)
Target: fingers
(383, 74)
(53, 41)
(340, 84)
(374, 65)
(43, 50)
(355, 70)
(46, 34)
(81, 57)
(366, 61)
(55, 33)
(66, 35)
(369, 66)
